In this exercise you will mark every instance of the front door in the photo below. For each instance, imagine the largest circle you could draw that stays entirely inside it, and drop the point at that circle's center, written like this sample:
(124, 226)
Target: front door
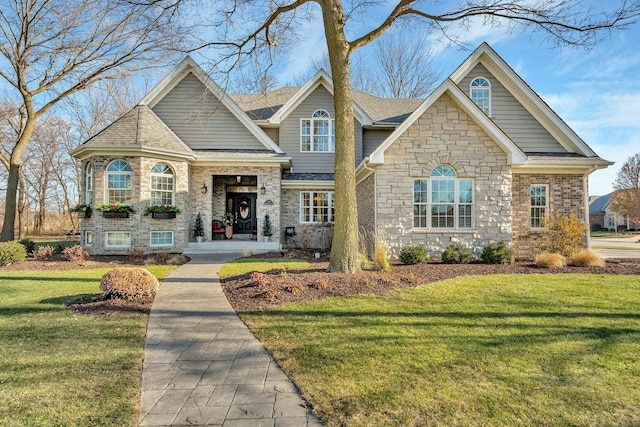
(244, 211)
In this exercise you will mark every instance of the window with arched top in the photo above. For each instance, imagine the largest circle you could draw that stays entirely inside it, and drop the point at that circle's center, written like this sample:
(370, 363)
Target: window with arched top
(118, 182)
(317, 134)
(443, 201)
(162, 184)
(88, 184)
(480, 92)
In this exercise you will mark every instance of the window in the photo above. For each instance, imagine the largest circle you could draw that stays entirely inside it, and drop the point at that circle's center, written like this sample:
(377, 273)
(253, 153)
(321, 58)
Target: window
(88, 238)
(481, 94)
(117, 239)
(317, 134)
(161, 238)
(443, 201)
(539, 205)
(88, 184)
(119, 182)
(316, 206)
(161, 184)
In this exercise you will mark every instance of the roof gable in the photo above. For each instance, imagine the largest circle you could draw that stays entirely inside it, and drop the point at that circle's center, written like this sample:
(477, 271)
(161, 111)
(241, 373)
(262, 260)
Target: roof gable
(514, 154)
(188, 67)
(530, 100)
(319, 78)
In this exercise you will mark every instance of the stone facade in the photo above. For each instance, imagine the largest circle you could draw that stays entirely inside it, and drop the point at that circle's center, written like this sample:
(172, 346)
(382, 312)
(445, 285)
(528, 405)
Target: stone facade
(308, 236)
(566, 195)
(366, 196)
(138, 225)
(445, 135)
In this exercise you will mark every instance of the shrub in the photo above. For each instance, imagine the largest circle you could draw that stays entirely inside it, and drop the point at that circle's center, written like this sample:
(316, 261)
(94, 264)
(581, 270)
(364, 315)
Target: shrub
(75, 253)
(412, 278)
(564, 234)
(586, 258)
(129, 283)
(381, 261)
(295, 288)
(43, 252)
(456, 253)
(320, 285)
(497, 253)
(29, 245)
(550, 260)
(271, 294)
(136, 254)
(11, 252)
(162, 257)
(413, 254)
(177, 259)
(260, 279)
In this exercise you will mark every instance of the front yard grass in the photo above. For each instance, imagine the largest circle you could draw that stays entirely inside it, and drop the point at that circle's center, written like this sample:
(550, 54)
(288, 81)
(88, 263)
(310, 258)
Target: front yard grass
(62, 368)
(496, 350)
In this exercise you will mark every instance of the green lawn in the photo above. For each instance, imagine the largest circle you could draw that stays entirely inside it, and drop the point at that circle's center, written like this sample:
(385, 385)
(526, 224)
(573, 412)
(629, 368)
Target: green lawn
(245, 265)
(504, 350)
(62, 368)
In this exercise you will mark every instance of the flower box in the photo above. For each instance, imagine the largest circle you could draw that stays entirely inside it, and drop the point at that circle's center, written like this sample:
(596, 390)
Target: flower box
(115, 214)
(163, 215)
(84, 214)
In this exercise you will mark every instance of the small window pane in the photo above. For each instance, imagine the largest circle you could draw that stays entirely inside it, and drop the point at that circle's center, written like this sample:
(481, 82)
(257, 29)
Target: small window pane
(538, 205)
(88, 238)
(161, 238)
(118, 239)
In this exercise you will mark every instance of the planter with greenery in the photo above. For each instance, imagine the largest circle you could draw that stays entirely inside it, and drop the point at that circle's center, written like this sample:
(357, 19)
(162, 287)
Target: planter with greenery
(115, 210)
(83, 210)
(266, 228)
(198, 228)
(162, 211)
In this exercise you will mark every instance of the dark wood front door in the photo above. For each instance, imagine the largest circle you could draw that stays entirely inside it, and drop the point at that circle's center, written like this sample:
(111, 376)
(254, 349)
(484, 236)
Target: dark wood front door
(244, 211)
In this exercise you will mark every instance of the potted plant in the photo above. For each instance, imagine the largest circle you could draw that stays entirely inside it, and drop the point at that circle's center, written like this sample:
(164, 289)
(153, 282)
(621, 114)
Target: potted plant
(83, 210)
(266, 228)
(198, 228)
(115, 210)
(162, 211)
(228, 220)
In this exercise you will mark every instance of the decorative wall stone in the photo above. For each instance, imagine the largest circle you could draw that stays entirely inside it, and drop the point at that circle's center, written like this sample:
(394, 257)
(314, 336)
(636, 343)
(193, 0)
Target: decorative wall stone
(308, 236)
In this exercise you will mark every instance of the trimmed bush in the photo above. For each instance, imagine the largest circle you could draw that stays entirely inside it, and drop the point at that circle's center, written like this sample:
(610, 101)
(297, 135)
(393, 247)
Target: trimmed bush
(129, 284)
(550, 260)
(75, 253)
(586, 258)
(29, 245)
(497, 253)
(413, 254)
(11, 252)
(43, 252)
(456, 253)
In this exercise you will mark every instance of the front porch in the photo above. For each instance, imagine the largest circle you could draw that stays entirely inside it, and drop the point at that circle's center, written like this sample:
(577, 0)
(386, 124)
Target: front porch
(245, 247)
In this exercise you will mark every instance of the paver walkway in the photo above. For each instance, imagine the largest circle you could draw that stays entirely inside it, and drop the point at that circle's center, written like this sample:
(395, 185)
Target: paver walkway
(202, 365)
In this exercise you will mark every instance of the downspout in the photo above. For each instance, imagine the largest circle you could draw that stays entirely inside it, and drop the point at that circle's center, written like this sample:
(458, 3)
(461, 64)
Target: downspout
(585, 190)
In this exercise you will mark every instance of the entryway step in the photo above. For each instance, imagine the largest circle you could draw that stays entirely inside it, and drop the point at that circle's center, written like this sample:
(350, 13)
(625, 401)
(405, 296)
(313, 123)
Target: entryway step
(231, 246)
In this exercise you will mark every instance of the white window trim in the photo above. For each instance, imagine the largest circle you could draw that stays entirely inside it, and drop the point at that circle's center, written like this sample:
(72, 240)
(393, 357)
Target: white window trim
(489, 88)
(331, 195)
(162, 245)
(456, 218)
(86, 240)
(106, 181)
(332, 133)
(173, 182)
(106, 240)
(88, 184)
(546, 206)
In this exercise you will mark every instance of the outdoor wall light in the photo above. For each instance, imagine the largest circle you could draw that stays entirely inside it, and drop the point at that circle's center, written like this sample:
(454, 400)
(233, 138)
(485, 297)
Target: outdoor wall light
(238, 179)
(204, 189)
(263, 190)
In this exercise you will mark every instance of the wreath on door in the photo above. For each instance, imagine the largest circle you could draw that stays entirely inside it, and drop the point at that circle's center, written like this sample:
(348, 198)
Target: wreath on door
(244, 209)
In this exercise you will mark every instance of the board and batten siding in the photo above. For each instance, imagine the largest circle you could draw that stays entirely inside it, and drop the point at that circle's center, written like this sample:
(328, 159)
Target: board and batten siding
(372, 138)
(201, 120)
(310, 162)
(512, 117)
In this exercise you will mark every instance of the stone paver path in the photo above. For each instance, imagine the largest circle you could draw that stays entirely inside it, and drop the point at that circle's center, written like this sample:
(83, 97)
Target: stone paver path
(203, 366)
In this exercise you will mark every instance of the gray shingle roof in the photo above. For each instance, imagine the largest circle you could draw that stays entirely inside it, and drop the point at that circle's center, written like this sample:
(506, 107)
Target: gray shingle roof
(308, 176)
(597, 206)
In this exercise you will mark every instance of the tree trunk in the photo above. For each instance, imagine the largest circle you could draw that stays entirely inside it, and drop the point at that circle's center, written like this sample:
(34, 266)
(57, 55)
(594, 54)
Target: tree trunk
(8, 226)
(345, 245)
(22, 218)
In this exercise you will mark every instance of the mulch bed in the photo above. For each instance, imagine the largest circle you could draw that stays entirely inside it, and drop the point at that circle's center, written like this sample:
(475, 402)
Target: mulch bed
(315, 283)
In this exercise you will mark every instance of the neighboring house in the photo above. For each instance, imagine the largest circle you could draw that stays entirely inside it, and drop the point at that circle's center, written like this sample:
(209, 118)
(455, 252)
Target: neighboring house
(480, 160)
(602, 217)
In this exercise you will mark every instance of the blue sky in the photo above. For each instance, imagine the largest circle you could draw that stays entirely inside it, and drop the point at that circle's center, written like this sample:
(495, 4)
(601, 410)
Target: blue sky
(593, 91)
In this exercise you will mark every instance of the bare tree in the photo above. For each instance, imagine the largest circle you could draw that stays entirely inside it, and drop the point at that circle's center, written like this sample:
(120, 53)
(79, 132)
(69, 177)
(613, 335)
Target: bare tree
(626, 198)
(55, 49)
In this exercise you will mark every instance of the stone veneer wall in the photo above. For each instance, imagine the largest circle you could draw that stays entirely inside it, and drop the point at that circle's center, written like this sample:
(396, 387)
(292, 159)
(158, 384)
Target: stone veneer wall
(444, 134)
(365, 193)
(566, 194)
(269, 176)
(308, 236)
(137, 224)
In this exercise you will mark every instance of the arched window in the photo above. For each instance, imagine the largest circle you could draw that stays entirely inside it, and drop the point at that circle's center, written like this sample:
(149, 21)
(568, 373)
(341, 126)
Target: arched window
(88, 184)
(317, 134)
(481, 94)
(443, 200)
(118, 182)
(162, 187)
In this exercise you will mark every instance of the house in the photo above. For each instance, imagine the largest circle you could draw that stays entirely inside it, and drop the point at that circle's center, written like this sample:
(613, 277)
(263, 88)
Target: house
(602, 217)
(482, 159)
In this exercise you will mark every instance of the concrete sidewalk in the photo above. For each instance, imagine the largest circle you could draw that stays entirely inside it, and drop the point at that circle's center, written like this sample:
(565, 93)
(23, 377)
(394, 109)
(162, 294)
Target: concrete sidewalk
(203, 366)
